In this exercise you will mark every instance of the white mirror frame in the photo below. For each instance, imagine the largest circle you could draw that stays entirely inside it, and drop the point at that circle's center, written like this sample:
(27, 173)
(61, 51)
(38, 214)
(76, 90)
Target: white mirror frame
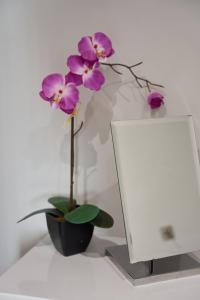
(159, 179)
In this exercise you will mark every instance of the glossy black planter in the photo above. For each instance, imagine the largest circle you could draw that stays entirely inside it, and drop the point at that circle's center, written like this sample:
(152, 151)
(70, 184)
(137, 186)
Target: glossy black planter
(68, 238)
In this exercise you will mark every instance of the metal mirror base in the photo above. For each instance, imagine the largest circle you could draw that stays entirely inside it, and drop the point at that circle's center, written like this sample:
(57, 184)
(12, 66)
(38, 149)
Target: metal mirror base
(155, 270)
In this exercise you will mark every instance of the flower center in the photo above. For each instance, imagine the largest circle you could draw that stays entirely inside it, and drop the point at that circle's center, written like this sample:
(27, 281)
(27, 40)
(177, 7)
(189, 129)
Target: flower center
(86, 71)
(58, 96)
(95, 46)
(100, 53)
(56, 99)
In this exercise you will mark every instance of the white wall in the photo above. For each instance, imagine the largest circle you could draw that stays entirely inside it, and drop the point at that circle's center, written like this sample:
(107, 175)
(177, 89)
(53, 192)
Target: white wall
(36, 37)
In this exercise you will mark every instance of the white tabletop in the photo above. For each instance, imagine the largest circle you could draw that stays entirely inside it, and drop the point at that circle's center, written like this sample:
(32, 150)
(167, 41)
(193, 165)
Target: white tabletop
(43, 272)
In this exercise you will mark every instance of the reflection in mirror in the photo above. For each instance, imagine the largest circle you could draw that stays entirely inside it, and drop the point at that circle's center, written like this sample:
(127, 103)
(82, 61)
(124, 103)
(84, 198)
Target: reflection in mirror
(158, 172)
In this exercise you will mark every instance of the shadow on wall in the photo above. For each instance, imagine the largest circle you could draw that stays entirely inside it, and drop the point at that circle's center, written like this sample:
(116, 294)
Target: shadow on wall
(95, 134)
(98, 115)
(100, 109)
(44, 141)
(110, 201)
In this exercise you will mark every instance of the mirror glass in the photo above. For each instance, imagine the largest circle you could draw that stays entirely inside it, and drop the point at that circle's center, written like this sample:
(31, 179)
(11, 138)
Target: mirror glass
(158, 171)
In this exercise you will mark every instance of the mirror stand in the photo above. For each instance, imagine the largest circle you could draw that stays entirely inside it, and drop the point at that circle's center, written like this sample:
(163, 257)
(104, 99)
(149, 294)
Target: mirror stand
(155, 270)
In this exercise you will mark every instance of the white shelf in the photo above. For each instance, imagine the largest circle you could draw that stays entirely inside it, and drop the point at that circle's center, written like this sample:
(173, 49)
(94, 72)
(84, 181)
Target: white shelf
(44, 273)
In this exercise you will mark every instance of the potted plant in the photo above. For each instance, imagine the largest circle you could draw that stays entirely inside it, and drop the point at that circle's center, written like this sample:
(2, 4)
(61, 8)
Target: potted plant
(70, 224)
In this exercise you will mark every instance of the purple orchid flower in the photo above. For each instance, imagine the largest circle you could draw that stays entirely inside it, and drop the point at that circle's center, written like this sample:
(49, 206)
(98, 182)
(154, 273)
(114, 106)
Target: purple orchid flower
(59, 93)
(73, 78)
(96, 47)
(83, 71)
(155, 100)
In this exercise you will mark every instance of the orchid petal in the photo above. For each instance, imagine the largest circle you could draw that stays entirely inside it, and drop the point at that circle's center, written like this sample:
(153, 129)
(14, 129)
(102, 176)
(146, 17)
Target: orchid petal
(111, 52)
(73, 78)
(70, 98)
(104, 43)
(68, 107)
(76, 64)
(86, 49)
(71, 93)
(51, 84)
(93, 80)
(54, 105)
(155, 100)
(42, 95)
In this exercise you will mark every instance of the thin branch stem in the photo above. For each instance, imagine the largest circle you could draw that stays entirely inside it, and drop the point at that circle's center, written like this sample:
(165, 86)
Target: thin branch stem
(71, 200)
(148, 87)
(77, 131)
(121, 65)
(138, 79)
(116, 71)
(135, 65)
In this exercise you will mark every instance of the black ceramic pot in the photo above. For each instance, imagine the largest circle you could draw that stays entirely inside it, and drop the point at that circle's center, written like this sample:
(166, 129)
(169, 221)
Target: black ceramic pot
(69, 238)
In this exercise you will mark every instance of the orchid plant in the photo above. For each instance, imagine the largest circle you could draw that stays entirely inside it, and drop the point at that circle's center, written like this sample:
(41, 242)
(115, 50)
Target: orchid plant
(62, 91)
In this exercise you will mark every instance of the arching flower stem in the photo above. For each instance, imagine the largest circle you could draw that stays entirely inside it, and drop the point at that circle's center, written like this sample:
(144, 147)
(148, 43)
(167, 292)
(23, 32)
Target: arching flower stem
(138, 79)
(71, 200)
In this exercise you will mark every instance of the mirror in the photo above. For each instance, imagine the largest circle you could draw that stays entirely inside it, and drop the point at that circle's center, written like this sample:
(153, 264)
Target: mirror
(158, 172)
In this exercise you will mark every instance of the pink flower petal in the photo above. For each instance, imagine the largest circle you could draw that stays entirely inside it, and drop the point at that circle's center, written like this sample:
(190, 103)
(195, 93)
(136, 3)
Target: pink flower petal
(73, 78)
(42, 95)
(76, 64)
(111, 52)
(51, 84)
(104, 43)
(86, 49)
(93, 80)
(68, 107)
(71, 93)
(54, 105)
(70, 98)
(155, 100)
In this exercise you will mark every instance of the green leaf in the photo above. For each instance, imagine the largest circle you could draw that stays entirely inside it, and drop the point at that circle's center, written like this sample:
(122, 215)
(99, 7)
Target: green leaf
(103, 219)
(61, 203)
(82, 214)
(54, 212)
